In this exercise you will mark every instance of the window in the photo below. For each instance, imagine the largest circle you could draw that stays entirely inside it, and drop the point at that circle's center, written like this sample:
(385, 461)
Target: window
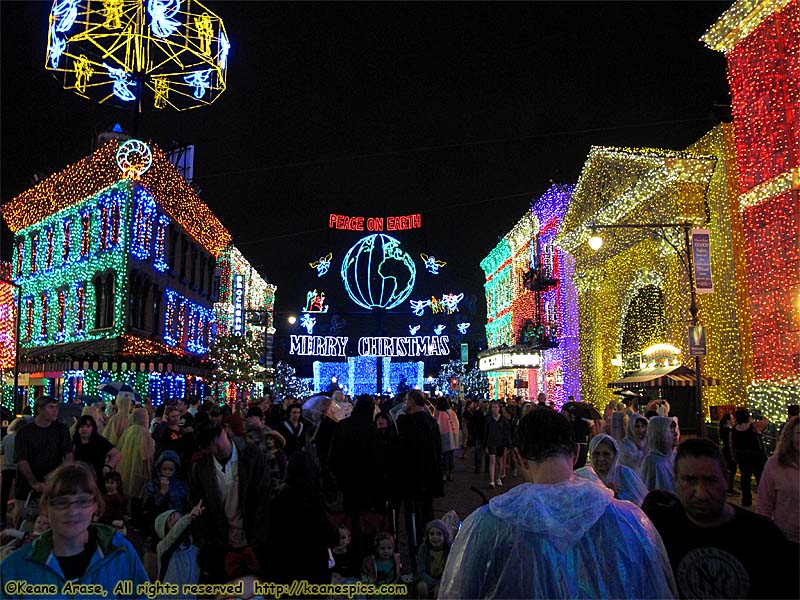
(28, 318)
(61, 320)
(105, 227)
(20, 255)
(34, 245)
(45, 315)
(48, 262)
(104, 300)
(86, 226)
(80, 308)
(65, 234)
(115, 223)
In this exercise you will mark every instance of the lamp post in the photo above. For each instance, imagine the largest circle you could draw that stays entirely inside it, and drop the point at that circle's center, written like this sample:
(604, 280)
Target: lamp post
(595, 242)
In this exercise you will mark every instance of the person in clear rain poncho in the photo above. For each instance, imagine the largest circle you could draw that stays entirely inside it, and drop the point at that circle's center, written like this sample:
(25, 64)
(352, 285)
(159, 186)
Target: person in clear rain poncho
(659, 461)
(622, 480)
(631, 448)
(556, 536)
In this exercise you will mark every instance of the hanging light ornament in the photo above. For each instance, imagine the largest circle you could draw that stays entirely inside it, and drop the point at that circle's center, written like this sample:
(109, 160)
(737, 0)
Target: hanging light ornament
(138, 54)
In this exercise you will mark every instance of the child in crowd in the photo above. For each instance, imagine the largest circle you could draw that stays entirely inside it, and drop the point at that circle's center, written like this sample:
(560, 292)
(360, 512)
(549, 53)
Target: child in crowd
(383, 566)
(16, 538)
(176, 554)
(431, 558)
(164, 491)
(276, 457)
(114, 512)
(346, 568)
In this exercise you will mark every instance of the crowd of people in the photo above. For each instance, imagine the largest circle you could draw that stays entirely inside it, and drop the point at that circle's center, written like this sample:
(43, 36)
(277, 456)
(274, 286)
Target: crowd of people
(207, 492)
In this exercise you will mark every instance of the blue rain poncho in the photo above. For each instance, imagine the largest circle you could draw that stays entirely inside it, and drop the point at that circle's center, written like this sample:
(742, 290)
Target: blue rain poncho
(656, 470)
(631, 451)
(570, 539)
(621, 479)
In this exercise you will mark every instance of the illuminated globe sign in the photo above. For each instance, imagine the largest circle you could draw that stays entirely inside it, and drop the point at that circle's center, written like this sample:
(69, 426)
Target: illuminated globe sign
(377, 273)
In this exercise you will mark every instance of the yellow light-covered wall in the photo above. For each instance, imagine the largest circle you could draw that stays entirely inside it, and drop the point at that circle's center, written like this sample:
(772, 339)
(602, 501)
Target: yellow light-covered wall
(606, 280)
(725, 312)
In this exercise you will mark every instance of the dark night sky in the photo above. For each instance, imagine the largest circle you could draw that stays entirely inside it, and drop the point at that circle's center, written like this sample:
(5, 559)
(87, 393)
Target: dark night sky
(462, 112)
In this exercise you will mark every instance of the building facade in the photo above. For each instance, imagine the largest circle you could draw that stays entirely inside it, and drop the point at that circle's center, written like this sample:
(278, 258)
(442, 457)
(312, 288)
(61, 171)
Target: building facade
(761, 42)
(115, 257)
(531, 327)
(246, 307)
(633, 292)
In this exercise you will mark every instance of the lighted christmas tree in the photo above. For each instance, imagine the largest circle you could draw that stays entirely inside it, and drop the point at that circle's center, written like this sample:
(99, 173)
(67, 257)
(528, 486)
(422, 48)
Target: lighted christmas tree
(237, 359)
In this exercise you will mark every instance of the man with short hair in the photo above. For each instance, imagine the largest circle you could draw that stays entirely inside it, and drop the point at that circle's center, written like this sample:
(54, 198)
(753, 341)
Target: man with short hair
(254, 417)
(39, 447)
(717, 550)
(186, 417)
(294, 430)
(556, 536)
(233, 481)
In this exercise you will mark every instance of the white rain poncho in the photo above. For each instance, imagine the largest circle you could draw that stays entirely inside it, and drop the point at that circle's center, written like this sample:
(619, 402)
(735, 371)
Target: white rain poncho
(623, 479)
(565, 540)
(631, 452)
(656, 470)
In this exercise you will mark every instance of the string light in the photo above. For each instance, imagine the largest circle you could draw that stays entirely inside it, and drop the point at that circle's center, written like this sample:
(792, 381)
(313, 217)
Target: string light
(8, 318)
(761, 41)
(98, 171)
(177, 50)
(628, 278)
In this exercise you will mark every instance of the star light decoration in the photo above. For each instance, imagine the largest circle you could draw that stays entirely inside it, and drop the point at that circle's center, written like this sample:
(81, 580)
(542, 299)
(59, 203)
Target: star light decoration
(140, 54)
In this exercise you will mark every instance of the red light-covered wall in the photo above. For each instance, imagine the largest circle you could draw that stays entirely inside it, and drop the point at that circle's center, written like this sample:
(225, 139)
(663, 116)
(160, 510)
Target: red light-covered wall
(764, 76)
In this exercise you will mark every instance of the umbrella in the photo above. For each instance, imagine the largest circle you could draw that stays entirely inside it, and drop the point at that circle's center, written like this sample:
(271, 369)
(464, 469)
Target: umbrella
(115, 387)
(321, 405)
(584, 410)
(628, 393)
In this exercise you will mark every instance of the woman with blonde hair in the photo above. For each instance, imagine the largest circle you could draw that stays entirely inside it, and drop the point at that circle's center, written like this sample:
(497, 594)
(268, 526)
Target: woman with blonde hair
(779, 489)
(117, 424)
(137, 448)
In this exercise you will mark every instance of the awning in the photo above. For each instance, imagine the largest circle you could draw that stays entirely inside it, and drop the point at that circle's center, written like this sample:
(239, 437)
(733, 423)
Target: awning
(660, 377)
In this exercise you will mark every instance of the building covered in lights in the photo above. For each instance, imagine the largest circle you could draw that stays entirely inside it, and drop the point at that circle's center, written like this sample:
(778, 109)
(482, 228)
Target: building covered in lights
(115, 257)
(531, 326)
(633, 292)
(246, 307)
(761, 42)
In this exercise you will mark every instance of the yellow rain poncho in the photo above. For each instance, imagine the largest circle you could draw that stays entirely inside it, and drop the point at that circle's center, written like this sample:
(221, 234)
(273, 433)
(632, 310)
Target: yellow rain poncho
(116, 425)
(137, 448)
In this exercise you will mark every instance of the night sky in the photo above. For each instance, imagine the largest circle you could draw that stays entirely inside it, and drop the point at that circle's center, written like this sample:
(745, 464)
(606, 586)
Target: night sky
(461, 112)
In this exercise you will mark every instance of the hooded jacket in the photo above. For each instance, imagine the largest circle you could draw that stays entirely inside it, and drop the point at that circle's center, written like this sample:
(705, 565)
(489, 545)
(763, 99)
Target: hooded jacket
(175, 498)
(565, 540)
(423, 554)
(631, 451)
(656, 469)
(624, 479)
(114, 561)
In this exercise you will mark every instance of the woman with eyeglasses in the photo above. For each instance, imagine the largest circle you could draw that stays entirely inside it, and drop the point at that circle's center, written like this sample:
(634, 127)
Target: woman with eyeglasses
(76, 557)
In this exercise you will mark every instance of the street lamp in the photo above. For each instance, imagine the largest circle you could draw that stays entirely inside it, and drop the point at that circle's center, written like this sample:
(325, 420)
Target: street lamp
(595, 242)
(292, 320)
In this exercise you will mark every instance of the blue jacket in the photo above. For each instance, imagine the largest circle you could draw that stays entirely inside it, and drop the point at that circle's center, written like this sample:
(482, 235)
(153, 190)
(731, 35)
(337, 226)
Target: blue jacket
(114, 561)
